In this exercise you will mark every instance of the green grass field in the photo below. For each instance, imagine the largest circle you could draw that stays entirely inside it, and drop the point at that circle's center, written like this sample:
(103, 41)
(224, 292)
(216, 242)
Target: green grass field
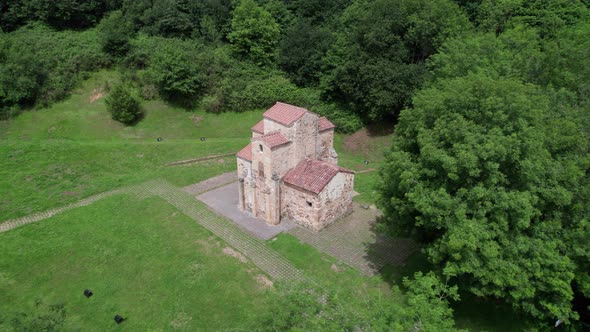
(143, 258)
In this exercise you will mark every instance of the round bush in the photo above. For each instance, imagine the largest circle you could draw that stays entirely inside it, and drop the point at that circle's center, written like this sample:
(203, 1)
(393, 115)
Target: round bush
(123, 105)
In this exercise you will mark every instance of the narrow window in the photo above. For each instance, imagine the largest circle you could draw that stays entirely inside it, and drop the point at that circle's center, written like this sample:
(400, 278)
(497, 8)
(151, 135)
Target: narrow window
(261, 148)
(309, 204)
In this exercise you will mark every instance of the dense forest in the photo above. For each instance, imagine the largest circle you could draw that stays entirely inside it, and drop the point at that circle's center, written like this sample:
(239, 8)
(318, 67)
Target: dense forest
(489, 100)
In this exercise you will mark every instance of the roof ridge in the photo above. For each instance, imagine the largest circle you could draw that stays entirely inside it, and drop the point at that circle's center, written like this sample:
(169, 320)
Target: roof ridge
(266, 135)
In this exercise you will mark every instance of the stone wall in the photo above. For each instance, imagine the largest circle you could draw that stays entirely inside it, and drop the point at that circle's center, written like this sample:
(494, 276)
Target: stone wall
(305, 140)
(295, 205)
(325, 147)
(245, 185)
(265, 178)
(336, 198)
(271, 126)
(281, 160)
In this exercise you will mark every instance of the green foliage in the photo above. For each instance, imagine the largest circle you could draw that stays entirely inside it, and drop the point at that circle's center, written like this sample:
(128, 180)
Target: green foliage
(60, 14)
(475, 174)
(176, 68)
(318, 11)
(516, 53)
(21, 78)
(115, 33)
(377, 61)
(304, 307)
(546, 16)
(428, 305)
(346, 121)
(123, 104)
(254, 33)
(40, 65)
(302, 50)
(180, 18)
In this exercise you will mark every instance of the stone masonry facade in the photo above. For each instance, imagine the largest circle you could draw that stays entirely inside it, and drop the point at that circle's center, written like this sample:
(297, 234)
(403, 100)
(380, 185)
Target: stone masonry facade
(290, 170)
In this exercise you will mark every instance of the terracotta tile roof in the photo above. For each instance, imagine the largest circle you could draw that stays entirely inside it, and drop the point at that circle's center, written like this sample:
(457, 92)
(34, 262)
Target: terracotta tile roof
(325, 124)
(246, 153)
(312, 175)
(259, 127)
(284, 114)
(272, 139)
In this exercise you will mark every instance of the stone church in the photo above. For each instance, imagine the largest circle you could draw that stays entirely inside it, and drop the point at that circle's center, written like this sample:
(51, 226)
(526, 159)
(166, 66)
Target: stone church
(290, 170)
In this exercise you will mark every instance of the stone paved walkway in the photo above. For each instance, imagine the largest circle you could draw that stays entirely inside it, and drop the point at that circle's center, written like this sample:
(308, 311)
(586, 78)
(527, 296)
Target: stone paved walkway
(210, 184)
(265, 258)
(14, 223)
(224, 201)
(354, 241)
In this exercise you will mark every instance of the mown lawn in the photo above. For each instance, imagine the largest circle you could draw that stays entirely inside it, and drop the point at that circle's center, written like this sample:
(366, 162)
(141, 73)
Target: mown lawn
(143, 259)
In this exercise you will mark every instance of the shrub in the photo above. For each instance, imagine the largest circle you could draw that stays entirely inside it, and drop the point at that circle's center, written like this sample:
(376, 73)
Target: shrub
(123, 105)
(115, 32)
(39, 65)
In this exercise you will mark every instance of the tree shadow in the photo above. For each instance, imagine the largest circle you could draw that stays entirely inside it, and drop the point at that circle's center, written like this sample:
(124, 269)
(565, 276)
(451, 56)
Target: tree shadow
(382, 128)
(138, 119)
(393, 258)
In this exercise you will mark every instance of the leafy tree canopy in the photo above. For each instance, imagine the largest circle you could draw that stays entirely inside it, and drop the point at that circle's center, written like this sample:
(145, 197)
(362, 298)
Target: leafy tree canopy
(546, 16)
(306, 308)
(254, 33)
(475, 174)
(377, 61)
(176, 69)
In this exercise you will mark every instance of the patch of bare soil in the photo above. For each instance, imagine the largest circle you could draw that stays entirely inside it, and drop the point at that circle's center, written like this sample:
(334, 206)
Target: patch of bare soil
(197, 119)
(180, 321)
(263, 281)
(96, 95)
(208, 245)
(358, 141)
(231, 252)
(70, 193)
(335, 268)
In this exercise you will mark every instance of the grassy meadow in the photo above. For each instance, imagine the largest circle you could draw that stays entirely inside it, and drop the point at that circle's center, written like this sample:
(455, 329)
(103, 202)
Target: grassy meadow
(143, 258)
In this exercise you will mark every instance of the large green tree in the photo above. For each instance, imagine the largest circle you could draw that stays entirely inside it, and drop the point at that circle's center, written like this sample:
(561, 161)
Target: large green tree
(488, 177)
(254, 33)
(176, 69)
(377, 61)
(302, 50)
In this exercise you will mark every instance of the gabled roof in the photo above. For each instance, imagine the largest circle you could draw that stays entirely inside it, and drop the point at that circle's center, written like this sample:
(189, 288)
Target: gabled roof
(284, 114)
(312, 175)
(325, 124)
(273, 139)
(259, 127)
(246, 153)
